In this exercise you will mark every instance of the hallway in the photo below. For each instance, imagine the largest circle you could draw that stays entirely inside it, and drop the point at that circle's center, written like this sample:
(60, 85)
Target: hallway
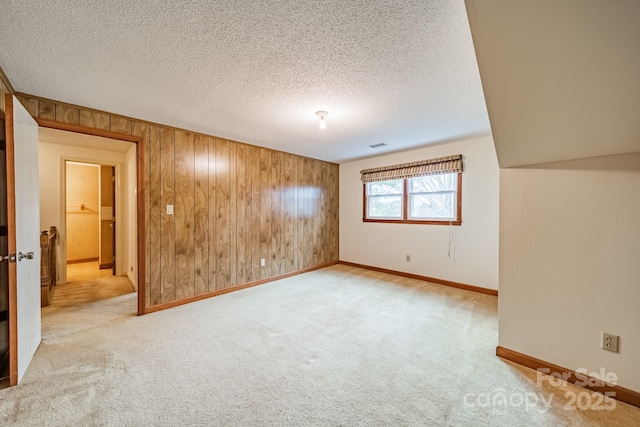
(86, 283)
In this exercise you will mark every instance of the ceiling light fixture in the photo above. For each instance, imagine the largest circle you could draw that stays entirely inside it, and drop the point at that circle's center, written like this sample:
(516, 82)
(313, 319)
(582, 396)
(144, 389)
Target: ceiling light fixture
(322, 115)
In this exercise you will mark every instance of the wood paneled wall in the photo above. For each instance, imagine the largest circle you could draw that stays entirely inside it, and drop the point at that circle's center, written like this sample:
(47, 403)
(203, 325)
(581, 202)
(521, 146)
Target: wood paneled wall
(4, 89)
(234, 204)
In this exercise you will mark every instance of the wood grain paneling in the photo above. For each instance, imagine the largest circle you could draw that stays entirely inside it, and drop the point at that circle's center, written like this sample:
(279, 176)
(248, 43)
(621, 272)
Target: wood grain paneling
(153, 282)
(321, 226)
(332, 216)
(142, 130)
(4, 90)
(289, 212)
(201, 215)
(306, 248)
(300, 213)
(223, 232)
(234, 204)
(30, 104)
(46, 110)
(184, 214)
(275, 192)
(255, 213)
(167, 220)
(120, 125)
(213, 215)
(243, 224)
(93, 119)
(67, 114)
(265, 217)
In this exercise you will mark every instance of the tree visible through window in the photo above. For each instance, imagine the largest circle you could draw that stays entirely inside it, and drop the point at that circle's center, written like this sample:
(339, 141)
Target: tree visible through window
(431, 199)
(385, 199)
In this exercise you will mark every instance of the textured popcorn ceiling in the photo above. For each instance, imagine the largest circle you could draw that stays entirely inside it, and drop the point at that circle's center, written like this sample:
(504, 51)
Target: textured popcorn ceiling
(402, 72)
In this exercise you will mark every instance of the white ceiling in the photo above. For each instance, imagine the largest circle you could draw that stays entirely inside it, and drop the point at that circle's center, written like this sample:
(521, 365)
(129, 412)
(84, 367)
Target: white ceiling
(561, 78)
(399, 72)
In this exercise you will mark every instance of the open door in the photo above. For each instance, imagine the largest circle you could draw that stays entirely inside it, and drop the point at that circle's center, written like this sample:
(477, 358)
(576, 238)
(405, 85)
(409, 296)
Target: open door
(23, 220)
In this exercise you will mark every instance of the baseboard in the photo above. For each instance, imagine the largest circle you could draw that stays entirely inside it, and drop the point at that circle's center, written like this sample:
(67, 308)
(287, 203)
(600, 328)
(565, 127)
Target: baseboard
(464, 286)
(106, 266)
(622, 394)
(80, 261)
(133, 285)
(160, 307)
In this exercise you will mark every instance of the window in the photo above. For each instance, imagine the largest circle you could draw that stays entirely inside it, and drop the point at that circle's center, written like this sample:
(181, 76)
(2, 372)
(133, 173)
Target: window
(385, 199)
(431, 194)
(433, 197)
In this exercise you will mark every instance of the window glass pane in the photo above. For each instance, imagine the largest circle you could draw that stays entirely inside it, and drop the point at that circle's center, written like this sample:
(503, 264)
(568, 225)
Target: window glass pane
(385, 206)
(385, 187)
(437, 205)
(433, 183)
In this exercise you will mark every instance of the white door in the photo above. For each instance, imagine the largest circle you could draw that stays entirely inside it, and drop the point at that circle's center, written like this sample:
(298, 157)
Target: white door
(23, 210)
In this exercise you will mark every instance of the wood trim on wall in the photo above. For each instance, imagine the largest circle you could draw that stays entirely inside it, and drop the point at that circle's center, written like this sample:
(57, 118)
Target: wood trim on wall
(5, 80)
(450, 283)
(69, 127)
(141, 227)
(622, 394)
(80, 261)
(234, 204)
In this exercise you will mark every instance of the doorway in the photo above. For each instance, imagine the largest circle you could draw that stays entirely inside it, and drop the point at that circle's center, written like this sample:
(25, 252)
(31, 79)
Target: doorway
(88, 190)
(90, 220)
(23, 222)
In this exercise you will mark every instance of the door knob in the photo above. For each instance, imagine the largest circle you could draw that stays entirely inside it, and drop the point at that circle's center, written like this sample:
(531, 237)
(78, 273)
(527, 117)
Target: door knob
(28, 255)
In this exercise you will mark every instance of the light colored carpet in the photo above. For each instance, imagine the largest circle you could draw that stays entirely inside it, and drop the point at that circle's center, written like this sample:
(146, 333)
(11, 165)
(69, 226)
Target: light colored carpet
(339, 346)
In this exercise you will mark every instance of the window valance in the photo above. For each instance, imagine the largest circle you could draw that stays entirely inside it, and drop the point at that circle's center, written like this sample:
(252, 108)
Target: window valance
(448, 164)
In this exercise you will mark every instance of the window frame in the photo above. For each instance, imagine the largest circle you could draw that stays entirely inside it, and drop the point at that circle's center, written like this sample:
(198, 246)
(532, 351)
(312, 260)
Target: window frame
(405, 207)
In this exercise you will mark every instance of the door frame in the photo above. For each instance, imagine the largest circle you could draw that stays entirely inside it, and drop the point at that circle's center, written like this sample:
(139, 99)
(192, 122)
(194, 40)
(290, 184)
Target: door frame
(140, 185)
(62, 226)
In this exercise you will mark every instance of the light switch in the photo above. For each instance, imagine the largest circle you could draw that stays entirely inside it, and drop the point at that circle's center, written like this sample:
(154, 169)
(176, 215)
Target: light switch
(169, 209)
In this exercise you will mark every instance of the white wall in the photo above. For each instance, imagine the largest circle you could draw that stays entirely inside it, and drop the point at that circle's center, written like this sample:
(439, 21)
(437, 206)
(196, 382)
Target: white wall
(570, 264)
(131, 226)
(52, 158)
(474, 252)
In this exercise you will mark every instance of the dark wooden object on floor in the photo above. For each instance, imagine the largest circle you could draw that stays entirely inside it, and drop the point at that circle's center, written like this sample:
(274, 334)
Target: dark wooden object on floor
(48, 271)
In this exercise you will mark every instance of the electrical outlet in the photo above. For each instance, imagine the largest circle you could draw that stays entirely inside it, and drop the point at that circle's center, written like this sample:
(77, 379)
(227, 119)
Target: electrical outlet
(610, 342)
(169, 209)
(262, 262)
(408, 258)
